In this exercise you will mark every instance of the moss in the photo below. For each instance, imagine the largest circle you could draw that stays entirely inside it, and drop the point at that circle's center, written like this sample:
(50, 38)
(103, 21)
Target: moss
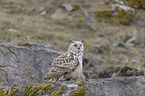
(59, 92)
(10, 93)
(79, 82)
(61, 88)
(42, 89)
(7, 91)
(1, 91)
(118, 15)
(80, 19)
(23, 44)
(137, 4)
(27, 89)
(81, 91)
(76, 7)
(54, 93)
(114, 20)
(35, 89)
(50, 91)
(103, 14)
(46, 88)
(122, 16)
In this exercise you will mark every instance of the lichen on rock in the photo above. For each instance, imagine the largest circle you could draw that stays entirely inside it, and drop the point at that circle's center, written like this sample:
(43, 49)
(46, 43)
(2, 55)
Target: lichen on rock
(81, 91)
(120, 12)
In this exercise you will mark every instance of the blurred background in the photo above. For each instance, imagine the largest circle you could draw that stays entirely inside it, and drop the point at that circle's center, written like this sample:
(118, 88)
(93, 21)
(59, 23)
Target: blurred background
(113, 31)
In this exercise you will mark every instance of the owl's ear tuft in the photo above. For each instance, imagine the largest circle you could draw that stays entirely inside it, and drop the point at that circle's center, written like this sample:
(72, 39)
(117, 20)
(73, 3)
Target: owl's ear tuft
(71, 41)
(82, 41)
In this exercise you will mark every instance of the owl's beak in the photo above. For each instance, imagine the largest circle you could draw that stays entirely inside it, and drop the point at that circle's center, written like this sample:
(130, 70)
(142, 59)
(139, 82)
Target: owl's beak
(79, 48)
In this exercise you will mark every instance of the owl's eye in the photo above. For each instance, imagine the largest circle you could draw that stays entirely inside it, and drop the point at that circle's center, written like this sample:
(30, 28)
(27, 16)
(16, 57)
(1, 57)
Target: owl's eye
(75, 45)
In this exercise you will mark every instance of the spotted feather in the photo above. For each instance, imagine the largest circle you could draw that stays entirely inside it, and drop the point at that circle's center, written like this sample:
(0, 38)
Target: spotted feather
(65, 63)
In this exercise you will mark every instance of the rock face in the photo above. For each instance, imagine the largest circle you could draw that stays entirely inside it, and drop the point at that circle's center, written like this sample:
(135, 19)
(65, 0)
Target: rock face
(28, 63)
(24, 64)
(120, 86)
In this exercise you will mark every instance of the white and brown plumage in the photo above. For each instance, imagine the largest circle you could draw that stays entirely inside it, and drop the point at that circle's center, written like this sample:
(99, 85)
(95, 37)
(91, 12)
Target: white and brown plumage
(68, 64)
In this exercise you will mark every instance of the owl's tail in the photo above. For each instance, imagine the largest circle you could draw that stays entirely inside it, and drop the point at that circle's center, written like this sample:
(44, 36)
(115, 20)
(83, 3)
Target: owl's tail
(53, 76)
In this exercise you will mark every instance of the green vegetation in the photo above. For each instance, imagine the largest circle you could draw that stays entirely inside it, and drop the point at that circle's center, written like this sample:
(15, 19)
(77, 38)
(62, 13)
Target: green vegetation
(79, 82)
(79, 92)
(119, 15)
(59, 92)
(41, 89)
(137, 4)
(8, 93)
(23, 44)
(123, 17)
(32, 89)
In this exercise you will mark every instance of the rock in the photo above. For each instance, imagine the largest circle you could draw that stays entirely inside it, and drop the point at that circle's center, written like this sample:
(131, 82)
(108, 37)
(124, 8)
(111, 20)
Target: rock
(68, 7)
(34, 45)
(71, 7)
(43, 13)
(119, 86)
(24, 64)
(119, 71)
(126, 8)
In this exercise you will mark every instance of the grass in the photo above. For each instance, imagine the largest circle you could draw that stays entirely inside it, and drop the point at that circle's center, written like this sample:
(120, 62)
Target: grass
(29, 25)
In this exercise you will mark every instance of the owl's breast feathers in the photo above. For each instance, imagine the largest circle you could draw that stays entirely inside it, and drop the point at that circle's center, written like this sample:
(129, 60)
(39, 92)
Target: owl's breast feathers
(65, 63)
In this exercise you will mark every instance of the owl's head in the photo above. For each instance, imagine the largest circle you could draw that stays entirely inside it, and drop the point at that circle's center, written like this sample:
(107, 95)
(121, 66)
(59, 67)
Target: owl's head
(76, 46)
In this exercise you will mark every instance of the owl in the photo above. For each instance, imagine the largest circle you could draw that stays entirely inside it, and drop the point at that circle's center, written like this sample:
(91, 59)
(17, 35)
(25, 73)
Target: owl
(69, 64)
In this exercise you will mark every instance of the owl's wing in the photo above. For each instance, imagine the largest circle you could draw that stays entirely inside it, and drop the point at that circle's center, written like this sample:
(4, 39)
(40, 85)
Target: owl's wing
(65, 63)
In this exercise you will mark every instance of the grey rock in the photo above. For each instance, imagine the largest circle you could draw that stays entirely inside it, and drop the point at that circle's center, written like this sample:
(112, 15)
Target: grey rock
(119, 86)
(23, 65)
(68, 7)
(20, 65)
